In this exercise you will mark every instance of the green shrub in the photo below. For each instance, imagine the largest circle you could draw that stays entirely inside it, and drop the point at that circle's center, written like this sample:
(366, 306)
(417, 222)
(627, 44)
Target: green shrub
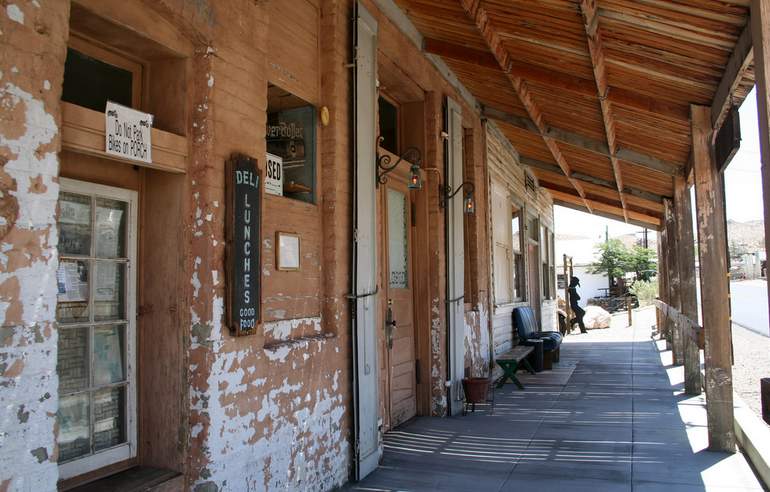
(645, 290)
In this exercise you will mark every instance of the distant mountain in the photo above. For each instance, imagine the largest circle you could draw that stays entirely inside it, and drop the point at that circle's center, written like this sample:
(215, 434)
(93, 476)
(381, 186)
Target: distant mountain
(749, 236)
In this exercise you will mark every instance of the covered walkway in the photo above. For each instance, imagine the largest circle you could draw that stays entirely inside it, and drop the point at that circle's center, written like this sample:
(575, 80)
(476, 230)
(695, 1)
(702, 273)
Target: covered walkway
(614, 416)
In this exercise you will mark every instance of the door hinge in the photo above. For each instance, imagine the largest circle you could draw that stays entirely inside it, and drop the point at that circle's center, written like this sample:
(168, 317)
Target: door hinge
(355, 235)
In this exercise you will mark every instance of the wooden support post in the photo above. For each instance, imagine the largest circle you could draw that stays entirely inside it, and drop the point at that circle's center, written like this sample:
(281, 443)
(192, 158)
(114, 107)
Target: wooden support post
(672, 263)
(665, 334)
(712, 248)
(658, 314)
(688, 297)
(630, 308)
(760, 36)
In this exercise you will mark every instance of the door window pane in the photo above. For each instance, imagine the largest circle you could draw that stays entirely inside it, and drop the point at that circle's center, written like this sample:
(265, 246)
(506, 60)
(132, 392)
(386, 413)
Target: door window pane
(72, 359)
(109, 291)
(92, 362)
(74, 224)
(109, 348)
(397, 243)
(109, 417)
(110, 229)
(73, 291)
(74, 425)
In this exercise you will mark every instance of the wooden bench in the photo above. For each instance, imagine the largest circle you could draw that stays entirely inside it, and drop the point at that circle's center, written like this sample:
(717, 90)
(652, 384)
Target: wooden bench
(509, 363)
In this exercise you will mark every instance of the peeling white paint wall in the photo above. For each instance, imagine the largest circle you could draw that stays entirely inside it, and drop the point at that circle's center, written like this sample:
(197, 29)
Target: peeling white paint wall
(28, 337)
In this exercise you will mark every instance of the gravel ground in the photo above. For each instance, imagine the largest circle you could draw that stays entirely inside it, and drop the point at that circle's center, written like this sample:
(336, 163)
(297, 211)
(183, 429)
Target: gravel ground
(752, 362)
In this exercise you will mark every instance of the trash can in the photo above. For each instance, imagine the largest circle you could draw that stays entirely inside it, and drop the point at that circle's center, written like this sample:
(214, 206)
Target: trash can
(536, 356)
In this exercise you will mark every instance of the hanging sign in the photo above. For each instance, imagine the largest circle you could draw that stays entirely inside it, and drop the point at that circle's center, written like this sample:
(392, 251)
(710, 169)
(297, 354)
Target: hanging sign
(127, 133)
(274, 175)
(243, 258)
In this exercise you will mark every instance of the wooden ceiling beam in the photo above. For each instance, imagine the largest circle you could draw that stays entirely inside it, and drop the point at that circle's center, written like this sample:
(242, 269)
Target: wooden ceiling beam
(596, 49)
(478, 14)
(740, 60)
(585, 143)
(552, 168)
(559, 80)
(599, 200)
(574, 206)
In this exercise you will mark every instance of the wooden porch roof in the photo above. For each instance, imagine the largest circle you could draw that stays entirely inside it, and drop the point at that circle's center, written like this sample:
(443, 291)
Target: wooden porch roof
(596, 94)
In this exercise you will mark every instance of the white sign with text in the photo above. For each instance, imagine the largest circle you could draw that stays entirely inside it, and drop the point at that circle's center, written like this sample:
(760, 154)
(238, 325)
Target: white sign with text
(274, 175)
(127, 133)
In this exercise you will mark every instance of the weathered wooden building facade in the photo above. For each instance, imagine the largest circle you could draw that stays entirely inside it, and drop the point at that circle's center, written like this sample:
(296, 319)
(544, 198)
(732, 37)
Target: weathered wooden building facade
(235, 247)
(217, 271)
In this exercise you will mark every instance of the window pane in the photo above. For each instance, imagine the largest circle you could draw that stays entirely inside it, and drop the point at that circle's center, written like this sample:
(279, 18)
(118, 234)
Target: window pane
(516, 229)
(74, 435)
(72, 298)
(388, 125)
(291, 135)
(110, 230)
(109, 417)
(72, 359)
(397, 245)
(74, 224)
(109, 350)
(109, 291)
(91, 83)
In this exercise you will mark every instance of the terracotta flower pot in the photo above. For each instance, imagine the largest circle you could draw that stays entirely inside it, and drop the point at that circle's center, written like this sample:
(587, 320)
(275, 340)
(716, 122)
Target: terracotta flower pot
(475, 389)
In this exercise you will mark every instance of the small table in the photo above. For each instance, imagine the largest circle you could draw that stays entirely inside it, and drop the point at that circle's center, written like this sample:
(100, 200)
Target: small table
(509, 363)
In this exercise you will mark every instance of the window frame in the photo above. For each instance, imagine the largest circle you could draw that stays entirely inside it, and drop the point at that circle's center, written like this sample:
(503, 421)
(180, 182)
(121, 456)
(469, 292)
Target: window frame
(95, 49)
(399, 124)
(522, 287)
(127, 450)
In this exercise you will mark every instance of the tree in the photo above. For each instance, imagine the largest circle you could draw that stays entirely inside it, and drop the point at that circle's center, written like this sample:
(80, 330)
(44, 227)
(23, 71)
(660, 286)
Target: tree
(642, 262)
(613, 259)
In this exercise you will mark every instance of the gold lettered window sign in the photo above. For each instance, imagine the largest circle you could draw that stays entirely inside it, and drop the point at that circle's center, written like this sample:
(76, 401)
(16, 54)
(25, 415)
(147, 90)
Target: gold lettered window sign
(243, 258)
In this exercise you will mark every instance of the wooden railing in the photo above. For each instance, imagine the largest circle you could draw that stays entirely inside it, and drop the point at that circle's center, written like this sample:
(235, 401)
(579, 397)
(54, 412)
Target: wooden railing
(691, 328)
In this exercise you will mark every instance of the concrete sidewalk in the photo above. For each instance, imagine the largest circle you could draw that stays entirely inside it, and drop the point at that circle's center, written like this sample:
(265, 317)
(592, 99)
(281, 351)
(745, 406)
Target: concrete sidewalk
(620, 423)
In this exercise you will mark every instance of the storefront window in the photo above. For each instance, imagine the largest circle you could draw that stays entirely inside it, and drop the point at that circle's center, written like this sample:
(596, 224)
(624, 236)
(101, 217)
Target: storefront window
(291, 135)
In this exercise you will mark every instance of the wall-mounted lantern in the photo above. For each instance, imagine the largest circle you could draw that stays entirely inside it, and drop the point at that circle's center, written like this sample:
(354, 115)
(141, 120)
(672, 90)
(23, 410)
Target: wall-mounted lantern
(411, 155)
(469, 204)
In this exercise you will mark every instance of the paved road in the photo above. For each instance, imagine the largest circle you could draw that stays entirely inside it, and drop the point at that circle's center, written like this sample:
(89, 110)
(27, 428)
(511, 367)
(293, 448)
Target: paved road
(749, 305)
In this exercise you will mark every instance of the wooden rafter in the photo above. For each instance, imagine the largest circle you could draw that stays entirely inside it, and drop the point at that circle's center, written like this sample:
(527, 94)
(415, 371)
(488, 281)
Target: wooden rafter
(480, 18)
(599, 199)
(559, 80)
(585, 143)
(544, 166)
(596, 48)
(739, 62)
(574, 202)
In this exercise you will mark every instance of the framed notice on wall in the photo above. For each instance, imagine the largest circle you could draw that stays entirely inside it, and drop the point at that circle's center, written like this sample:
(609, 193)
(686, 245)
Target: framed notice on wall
(243, 260)
(287, 252)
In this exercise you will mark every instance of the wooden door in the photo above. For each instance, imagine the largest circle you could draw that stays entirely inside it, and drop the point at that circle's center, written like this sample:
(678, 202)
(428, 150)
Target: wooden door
(398, 382)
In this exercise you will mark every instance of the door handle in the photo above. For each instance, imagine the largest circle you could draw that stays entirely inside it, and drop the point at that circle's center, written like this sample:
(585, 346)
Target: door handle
(390, 324)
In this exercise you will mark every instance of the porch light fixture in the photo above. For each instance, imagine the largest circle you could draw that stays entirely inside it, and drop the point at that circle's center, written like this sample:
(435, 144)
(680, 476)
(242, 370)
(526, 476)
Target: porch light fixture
(469, 204)
(411, 155)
